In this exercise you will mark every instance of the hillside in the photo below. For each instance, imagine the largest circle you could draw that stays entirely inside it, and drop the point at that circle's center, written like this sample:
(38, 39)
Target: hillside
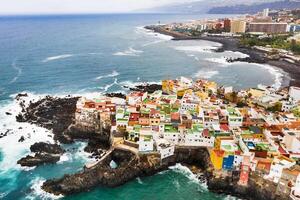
(203, 6)
(254, 8)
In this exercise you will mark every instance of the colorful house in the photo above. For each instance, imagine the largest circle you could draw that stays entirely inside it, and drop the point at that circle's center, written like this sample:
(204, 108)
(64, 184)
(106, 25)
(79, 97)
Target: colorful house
(216, 157)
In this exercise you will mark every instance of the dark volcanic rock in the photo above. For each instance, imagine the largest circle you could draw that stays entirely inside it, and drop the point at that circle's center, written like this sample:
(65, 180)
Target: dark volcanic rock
(46, 148)
(20, 95)
(129, 166)
(44, 153)
(38, 159)
(52, 113)
(257, 189)
(22, 139)
(150, 88)
(119, 95)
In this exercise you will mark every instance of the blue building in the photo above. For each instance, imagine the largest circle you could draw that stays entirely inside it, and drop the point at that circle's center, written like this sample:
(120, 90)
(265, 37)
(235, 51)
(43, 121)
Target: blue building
(228, 162)
(295, 28)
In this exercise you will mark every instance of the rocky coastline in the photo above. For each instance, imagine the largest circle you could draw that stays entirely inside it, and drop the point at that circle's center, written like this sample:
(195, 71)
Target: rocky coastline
(57, 114)
(129, 167)
(44, 154)
(232, 44)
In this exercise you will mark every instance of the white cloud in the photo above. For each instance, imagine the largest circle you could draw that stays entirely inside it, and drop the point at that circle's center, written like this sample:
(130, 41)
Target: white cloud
(77, 6)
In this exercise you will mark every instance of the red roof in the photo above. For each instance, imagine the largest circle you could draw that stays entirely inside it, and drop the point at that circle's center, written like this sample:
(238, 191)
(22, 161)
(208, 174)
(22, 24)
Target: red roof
(282, 151)
(175, 116)
(224, 127)
(205, 133)
(134, 116)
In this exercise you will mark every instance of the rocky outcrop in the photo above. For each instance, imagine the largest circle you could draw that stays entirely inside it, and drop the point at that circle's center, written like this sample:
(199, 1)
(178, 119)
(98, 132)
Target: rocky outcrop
(257, 188)
(38, 159)
(150, 88)
(41, 147)
(129, 166)
(118, 95)
(56, 114)
(44, 154)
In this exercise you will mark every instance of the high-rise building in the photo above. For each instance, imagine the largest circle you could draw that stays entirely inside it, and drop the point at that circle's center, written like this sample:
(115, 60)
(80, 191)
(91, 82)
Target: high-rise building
(266, 12)
(267, 27)
(227, 24)
(238, 26)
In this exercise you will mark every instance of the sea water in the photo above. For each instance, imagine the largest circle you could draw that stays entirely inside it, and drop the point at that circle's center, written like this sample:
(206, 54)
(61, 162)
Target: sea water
(90, 55)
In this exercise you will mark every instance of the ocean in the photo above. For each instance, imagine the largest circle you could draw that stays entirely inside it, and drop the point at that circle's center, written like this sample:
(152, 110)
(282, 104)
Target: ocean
(91, 55)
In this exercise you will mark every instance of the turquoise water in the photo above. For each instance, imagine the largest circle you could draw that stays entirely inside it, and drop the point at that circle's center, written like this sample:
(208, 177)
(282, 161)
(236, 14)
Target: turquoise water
(95, 54)
(174, 184)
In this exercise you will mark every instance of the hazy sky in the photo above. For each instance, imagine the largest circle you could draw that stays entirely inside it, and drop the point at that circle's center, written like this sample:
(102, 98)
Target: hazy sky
(77, 6)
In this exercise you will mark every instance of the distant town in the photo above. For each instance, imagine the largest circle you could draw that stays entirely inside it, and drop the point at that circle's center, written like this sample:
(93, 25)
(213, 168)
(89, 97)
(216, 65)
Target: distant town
(272, 31)
(249, 131)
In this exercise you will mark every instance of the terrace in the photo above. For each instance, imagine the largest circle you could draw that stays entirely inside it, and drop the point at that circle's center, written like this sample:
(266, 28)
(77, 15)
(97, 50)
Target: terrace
(169, 128)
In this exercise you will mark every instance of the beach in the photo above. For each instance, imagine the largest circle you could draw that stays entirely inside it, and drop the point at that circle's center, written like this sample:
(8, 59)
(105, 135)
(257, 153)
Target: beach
(292, 70)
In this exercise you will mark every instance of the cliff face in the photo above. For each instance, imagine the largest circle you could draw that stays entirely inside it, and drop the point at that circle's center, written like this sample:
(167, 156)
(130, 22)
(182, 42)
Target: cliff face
(257, 189)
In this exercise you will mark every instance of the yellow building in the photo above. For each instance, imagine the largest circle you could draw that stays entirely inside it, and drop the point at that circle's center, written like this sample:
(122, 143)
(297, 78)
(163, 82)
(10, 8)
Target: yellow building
(202, 95)
(238, 26)
(216, 157)
(219, 140)
(169, 86)
(180, 93)
(210, 85)
(256, 93)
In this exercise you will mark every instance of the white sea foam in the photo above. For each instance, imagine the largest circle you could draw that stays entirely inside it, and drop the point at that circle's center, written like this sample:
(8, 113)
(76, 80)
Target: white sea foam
(151, 33)
(206, 74)
(276, 73)
(52, 58)
(188, 173)
(202, 49)
(129, 52)
(221, 60)
(11, 149)
(106, 87)
(113, 74)
(19, 72)
(28, 168)
(139, 180)
(229, 197)
(237, 54)
(38, 192)
(132, 84)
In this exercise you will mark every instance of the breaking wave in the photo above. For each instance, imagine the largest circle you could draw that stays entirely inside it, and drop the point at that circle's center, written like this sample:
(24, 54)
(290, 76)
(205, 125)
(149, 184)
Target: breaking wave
(129, 52)
(178, 168)
(59, 57)
(106, 87)
(151, 33)
(202, 49)
(206, 74)
(132, 84)
(113, 74)
(275, 72)
(19, 72)
(38, 192)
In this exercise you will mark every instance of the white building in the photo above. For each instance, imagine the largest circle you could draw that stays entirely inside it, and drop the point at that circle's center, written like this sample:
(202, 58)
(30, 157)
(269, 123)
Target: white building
(165, 148)
(136, 97)
(291, 140)
(278, 164)
(266, 12)
(294, 93)
(146, 142)
(235, 118)
(295, 192)
(198, 139)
